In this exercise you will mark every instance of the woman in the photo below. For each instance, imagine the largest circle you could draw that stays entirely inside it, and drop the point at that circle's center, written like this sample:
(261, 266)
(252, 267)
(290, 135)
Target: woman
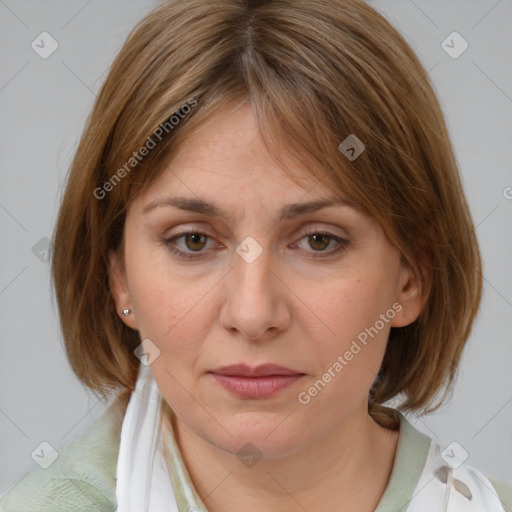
(263, 239)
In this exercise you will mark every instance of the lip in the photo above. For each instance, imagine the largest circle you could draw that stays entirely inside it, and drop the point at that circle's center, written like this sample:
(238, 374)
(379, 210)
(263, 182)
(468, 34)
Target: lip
(263, 370)
(257, 382)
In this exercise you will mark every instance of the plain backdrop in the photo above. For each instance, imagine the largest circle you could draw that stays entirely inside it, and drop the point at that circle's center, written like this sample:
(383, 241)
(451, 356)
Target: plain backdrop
(44, 103)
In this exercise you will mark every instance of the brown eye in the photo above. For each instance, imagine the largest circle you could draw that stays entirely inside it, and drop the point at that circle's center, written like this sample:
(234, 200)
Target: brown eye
(319, 241)
(188, 245)
(195, 241)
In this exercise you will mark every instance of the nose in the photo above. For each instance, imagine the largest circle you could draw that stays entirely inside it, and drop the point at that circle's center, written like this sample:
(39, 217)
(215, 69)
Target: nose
(257, 302)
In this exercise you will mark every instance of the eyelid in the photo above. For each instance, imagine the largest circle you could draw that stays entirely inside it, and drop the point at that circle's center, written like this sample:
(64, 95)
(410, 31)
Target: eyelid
(342, 243)
(310, 228)
(190, 255)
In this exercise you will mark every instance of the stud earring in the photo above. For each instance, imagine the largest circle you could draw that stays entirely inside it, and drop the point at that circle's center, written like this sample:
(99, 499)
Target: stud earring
(126, 312)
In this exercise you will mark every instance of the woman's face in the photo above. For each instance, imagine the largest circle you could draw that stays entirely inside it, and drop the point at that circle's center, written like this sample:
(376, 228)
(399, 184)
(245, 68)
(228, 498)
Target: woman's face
(257, 287)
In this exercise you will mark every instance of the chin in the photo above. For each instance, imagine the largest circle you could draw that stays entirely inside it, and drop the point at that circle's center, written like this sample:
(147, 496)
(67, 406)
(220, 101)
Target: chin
(256, 434)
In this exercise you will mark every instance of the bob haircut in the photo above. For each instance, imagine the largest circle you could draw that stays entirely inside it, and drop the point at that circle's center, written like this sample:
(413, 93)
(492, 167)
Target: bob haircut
(314, 72)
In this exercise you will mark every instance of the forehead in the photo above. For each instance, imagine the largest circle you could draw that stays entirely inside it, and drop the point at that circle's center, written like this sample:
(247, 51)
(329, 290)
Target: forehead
(229, 144)
(226, 160)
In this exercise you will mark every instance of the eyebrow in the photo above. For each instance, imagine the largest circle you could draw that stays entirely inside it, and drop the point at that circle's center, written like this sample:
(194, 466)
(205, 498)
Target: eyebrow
(287, 212)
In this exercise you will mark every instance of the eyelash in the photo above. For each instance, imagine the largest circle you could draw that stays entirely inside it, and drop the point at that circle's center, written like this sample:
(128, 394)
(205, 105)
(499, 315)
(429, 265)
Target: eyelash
(168, 242)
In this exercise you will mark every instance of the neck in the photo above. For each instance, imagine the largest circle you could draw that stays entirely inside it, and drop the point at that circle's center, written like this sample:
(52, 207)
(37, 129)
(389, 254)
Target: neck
(348, 469)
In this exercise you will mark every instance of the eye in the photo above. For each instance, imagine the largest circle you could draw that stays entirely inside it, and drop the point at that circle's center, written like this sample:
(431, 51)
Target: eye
(194, 242)
(319, 241)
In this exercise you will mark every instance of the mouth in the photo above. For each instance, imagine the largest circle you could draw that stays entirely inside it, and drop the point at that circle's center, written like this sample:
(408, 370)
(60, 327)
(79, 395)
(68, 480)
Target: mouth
(258, 382)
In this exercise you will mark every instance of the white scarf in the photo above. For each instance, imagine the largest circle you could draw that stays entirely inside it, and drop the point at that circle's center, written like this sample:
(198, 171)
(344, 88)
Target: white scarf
(144, 483)
(441, 487)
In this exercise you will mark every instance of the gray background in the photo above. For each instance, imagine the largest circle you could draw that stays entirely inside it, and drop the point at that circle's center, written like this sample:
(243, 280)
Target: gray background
(44, 104)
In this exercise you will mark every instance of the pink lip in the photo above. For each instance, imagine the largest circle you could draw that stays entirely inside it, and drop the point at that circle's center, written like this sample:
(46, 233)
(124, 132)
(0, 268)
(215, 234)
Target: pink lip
(257, 382)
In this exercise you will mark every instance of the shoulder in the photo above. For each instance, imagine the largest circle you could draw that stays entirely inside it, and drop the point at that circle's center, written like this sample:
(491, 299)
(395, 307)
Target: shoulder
(447, 478)
(83, 477)
(504, 491)
(426, 476)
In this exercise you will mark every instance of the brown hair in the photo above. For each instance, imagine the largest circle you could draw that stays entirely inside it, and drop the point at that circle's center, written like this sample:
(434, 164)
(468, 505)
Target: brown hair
(315, 72)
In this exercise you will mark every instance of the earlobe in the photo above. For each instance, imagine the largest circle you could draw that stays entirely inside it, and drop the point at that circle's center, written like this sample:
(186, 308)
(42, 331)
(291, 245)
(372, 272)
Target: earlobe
(119, 290)
(411, 295)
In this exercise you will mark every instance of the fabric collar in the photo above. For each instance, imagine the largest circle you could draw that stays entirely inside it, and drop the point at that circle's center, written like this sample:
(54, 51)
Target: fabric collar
(411, 454)
(151, 474)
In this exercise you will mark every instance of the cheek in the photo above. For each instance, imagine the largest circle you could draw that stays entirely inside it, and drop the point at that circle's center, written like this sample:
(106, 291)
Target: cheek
(344, 307)
(162, 295)
(176, 318)
(349, 345)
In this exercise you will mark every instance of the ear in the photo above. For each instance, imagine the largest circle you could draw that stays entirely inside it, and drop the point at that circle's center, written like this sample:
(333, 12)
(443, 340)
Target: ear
(412, 294)
(119, 289)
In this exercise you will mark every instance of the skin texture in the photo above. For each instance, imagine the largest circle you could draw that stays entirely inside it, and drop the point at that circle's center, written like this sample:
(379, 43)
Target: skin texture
(294, 305)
